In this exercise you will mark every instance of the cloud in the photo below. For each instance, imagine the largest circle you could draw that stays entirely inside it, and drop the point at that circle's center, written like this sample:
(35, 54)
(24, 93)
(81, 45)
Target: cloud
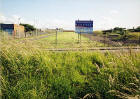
(114, 12)
(103, 22)
(14, 19)
(48, 23)
(58, 23)
(108, 21)
(2, 18)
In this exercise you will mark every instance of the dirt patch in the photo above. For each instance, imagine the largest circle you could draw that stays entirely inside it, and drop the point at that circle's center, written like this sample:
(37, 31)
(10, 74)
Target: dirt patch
(102, 39)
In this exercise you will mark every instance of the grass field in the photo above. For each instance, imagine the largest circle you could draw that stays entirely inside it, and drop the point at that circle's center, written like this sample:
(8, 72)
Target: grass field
(128, 39)
(29, 72)
(134, 36)
(64, 40)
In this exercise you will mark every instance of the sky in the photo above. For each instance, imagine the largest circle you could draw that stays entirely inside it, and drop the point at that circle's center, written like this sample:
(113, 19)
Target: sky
(106, 14)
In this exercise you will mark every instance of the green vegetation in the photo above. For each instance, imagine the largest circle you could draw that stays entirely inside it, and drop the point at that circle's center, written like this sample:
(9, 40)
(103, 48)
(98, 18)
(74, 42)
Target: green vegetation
(28, 27)
(127, 37)
(28, 72)
(134, 35)
(122, 31)
(135, 30)
(3, 35)
(65, 37)
(98, 33)
(64, 40)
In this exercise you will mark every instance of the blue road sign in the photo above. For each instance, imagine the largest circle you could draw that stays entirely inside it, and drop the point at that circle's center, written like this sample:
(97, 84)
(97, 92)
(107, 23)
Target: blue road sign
(83, 26)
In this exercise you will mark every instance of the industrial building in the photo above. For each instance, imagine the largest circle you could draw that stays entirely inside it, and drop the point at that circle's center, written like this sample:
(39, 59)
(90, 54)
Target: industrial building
(13, 29)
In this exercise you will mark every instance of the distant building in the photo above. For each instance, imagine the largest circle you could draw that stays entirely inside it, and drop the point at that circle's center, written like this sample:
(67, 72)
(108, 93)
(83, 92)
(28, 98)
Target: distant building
(13, 29)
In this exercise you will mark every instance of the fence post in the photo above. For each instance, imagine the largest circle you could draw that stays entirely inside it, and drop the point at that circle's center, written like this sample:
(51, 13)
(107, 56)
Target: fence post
(56, 35)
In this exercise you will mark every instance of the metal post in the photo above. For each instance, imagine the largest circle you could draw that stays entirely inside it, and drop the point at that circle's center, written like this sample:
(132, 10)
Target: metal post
(4, 34)
(80, 37)
(56, 35)
(36, 32)
(0, 81)
(104, 39)
(107, 40)
(139, 38)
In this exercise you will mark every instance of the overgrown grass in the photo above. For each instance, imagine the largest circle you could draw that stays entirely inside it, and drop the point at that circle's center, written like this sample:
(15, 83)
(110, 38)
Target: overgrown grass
(134, 36)
(64, 40)
(67, 40)
(32, 73)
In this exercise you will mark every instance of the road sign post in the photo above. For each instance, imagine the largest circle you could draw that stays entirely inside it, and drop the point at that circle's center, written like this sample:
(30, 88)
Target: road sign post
(83, 27)
(80, 37)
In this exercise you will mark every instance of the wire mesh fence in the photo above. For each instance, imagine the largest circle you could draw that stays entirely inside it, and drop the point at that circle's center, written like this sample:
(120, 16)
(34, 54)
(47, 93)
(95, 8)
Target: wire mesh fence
(70, 39)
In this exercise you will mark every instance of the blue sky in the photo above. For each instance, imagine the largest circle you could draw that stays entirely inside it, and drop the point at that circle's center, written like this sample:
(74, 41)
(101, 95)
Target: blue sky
(106, 14)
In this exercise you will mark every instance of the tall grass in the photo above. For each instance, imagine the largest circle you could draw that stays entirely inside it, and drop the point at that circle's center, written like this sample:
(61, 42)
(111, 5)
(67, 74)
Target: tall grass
(31, 73)
(66, 40)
